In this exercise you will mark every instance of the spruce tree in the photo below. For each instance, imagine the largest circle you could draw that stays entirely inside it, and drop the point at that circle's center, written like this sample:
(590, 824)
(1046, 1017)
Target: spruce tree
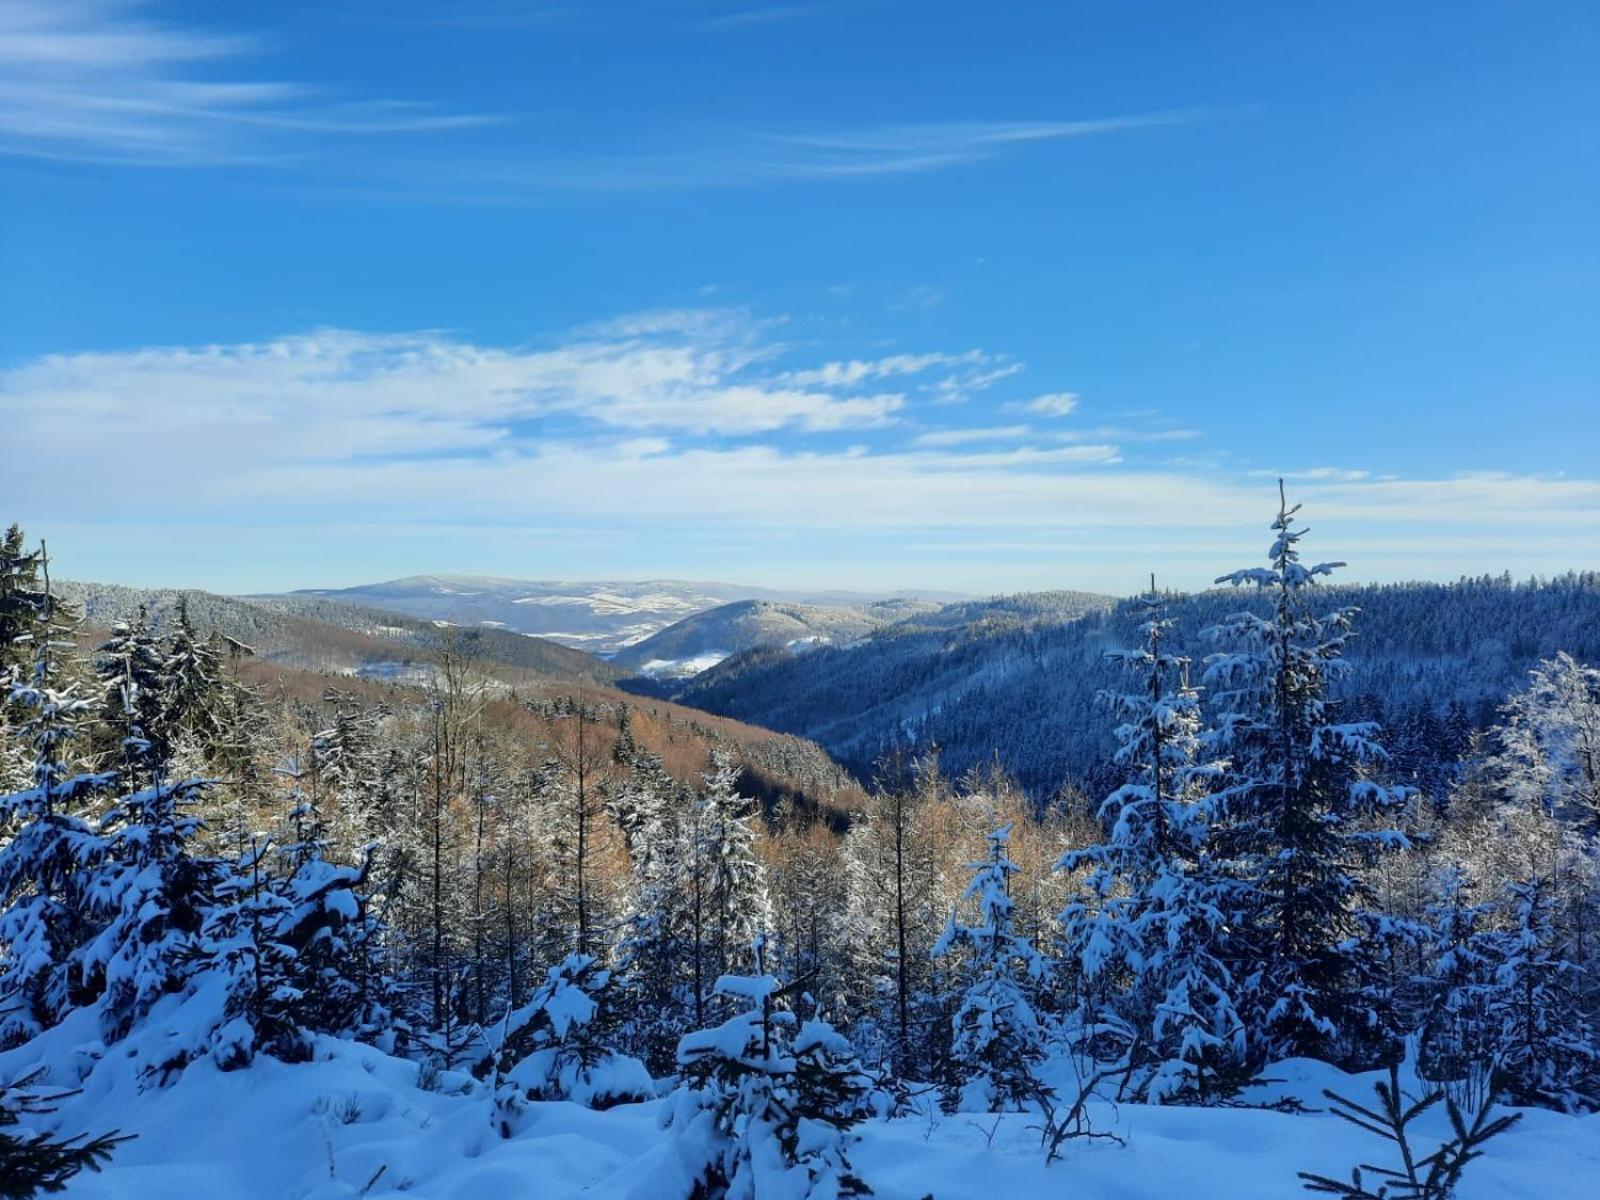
(132, 672)
(1460, 1031)
(656, 953)
(27, 609)
(152, 892)
(1299, 801)
(1547, 1050)
(194, 697)
(244, 950)
(48, 865)
(348, 773)
(766, 1109)
(1152, 931)
(1549, 743)
(732, 900)
(556, 1047)
(34, 1163)
(997, 1040)
(339, 962)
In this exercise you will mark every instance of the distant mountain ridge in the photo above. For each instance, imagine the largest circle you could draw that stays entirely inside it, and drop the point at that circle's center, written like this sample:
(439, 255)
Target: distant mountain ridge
(600, 616)
(1017, 678)
(701, 641)
(304, 631)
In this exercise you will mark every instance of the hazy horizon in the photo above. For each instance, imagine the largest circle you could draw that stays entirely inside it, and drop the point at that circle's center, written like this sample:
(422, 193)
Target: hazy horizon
(800, 586)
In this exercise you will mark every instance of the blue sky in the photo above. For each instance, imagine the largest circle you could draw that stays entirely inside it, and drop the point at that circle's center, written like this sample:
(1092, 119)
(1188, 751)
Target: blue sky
(867, 294)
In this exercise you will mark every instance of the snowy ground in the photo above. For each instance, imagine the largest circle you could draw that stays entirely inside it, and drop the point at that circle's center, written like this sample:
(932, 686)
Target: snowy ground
(355, 1123)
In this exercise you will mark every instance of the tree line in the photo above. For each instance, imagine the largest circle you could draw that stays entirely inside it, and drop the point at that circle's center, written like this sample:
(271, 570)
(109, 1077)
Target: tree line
(532, 889)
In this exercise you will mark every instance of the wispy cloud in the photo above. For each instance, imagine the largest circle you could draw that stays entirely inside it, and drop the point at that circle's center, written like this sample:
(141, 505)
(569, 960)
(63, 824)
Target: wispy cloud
(1120, 433)
(101, 81)
(924, 146)
(1054, 404)
(677, 426)
(336, 393)
(733, 156)
(1336, 474)
(763, 14)
(965, 437)
(856, 371)
(94, 80)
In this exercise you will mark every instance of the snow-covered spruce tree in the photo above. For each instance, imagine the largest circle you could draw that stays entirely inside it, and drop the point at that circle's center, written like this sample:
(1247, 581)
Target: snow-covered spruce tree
(31, 1163)
(347, 772)
(48, 865)
(151, 892)
(765, 1110)
(1460, 1032)
(555, 1047)
(339, 958)
(1300, 810)
(246, 960)
(1152, 929)
(339, 963)
(194, 698)
(282, 958)
(1549, 743)
(132, 671)
(655, 955)
(27, 609)
(996, 1039)
(1548, 1050)
(736, 905)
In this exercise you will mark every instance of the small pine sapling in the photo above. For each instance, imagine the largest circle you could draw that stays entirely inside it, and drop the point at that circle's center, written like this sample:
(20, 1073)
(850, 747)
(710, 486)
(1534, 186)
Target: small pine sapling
(555, 1046)
(767, 1109)
(1428, 1177)
(35, 1163)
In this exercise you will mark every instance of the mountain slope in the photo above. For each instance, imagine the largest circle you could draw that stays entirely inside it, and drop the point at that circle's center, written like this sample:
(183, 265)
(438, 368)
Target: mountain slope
(321, 635)
(701, 641)
(599, 616)
(1020, 680)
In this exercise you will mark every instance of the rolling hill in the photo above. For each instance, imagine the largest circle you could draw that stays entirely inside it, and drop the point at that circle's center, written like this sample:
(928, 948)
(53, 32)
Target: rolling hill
(1017, 679)
(602, 617)
(699, 642)
(326, 636)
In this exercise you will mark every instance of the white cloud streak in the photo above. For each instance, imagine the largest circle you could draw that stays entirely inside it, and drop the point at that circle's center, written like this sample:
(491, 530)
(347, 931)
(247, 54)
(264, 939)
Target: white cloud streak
(334, 394)
(680, 426)
(98, 81)
(92, 80)
(1055, 404)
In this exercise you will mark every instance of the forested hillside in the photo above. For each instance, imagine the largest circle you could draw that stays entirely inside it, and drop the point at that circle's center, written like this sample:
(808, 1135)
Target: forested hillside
(1018, 680)
(307, 631)
(479, 912)
(699, 642)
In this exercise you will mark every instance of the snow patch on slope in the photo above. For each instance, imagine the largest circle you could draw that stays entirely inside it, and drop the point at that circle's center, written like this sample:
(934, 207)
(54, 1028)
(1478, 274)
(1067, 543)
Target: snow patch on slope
(682, 668)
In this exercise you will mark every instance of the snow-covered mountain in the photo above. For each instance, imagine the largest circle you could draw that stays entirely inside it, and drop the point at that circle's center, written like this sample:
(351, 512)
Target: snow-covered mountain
(699, 642)
(307, 631)
(600, 616)
(1019, 676)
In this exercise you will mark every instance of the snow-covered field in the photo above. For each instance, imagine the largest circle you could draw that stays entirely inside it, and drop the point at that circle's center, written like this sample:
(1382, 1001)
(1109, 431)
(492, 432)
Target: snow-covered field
(675, 668)
(355, 1123)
